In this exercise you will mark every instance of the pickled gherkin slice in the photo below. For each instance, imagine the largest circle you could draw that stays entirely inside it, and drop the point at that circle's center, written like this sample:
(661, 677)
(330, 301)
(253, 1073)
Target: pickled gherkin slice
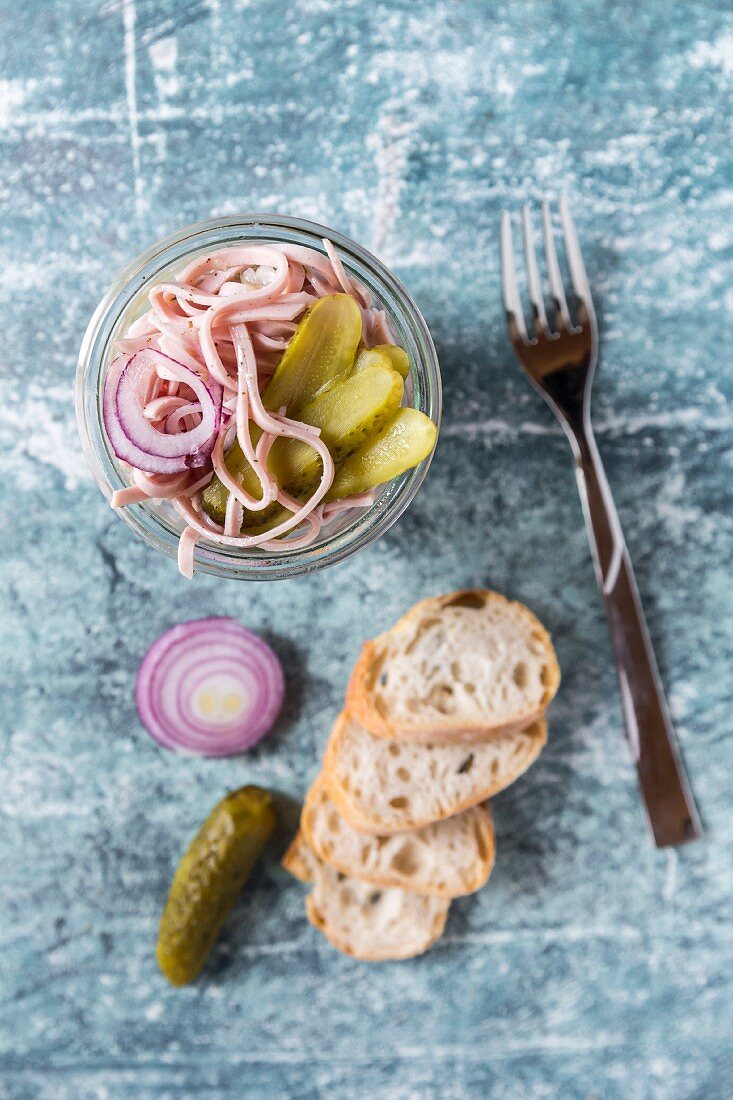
(351, 410)
(346, 413)
(257, 523)
(388, 355)
(322, 348)
(399, 357)
(368, 358)
(209, 878)
(403, 442)
(215, 496)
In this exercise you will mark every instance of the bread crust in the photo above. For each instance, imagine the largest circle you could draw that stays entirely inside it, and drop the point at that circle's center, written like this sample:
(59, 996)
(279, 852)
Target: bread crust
(355, 817)
(298, 861)
(319, 921)
(360, 692)
(295, 861)
(483, 868)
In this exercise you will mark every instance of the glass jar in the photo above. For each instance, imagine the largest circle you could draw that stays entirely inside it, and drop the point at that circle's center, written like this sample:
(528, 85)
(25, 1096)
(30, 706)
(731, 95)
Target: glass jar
(156, 521)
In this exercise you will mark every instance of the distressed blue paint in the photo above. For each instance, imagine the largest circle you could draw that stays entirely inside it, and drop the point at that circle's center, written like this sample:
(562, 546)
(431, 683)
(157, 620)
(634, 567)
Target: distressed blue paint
(592, 965)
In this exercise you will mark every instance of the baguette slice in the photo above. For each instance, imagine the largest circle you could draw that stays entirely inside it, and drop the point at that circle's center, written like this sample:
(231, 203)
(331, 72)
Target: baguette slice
(299, 859)
(360, 919)
(382, 786)
(462, 667)
(448, 859)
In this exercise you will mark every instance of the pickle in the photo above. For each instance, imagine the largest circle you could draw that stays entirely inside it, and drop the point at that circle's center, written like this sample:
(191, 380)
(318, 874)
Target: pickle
(215, 496)
(347, 412)
(403, 442)
(399, 357)
(257, 523)
(367, 358)
(322, 348)
(209, 878)
(389, 355)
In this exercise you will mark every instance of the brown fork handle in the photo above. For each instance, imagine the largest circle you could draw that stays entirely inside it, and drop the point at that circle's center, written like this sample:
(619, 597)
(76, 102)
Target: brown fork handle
(669, 803)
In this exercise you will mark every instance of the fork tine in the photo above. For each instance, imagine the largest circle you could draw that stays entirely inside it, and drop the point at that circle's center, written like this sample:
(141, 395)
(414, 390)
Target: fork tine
(510, 289)
(553, 271)
(534, 286)
(578, 274)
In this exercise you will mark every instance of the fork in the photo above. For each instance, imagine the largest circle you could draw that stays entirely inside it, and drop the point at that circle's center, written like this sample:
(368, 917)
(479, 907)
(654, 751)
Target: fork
(560, 360)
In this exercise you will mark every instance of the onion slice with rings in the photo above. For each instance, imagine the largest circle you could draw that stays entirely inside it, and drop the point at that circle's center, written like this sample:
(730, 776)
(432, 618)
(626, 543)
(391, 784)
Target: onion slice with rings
(132, 436)
(210, 687)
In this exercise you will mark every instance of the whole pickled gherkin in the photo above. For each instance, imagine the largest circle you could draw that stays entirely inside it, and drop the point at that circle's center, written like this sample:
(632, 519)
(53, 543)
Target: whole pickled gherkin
(209, 879)
(322, 348)
(346, 413)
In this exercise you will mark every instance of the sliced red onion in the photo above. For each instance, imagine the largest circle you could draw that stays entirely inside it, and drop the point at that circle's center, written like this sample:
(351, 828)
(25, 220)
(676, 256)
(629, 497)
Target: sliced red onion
(131, 410)
(209, 686)
(123, 447)
(133, 437)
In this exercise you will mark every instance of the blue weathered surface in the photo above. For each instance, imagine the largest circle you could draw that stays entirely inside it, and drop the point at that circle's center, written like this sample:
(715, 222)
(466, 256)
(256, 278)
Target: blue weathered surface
(592, 965)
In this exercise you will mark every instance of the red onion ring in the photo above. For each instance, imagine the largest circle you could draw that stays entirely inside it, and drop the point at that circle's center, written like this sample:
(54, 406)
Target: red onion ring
(209, 686)
(131, 411)
(123, 447)
(133, 437)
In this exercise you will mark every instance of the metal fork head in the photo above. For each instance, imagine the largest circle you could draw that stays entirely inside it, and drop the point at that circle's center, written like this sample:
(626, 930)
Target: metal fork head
(560, 356)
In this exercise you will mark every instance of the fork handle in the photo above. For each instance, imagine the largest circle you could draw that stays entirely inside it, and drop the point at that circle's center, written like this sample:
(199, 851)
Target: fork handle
(664, 787)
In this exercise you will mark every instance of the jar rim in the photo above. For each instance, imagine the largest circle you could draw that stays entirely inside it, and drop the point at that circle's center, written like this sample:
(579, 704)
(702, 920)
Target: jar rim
(357, 532)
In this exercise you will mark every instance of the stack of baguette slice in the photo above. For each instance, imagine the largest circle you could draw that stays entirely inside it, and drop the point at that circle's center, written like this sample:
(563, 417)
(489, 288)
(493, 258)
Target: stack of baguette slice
(442, 712)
